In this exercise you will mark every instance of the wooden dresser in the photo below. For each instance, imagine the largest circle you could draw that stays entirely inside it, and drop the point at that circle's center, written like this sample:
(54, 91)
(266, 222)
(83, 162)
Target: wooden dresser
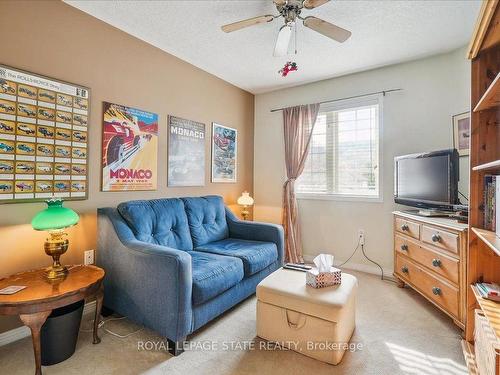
(430, 256)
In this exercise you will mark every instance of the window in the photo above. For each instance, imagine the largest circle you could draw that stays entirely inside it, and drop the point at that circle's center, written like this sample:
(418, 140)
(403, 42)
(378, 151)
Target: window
(344, 153)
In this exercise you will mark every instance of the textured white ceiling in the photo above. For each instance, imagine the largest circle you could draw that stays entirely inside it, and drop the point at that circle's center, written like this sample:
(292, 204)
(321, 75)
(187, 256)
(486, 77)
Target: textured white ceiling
(383, 33)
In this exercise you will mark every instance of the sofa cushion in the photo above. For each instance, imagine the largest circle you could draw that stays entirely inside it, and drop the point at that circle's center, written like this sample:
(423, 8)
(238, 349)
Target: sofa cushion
(213, 274)
(207, 219)
(159, 221)
(256, 255)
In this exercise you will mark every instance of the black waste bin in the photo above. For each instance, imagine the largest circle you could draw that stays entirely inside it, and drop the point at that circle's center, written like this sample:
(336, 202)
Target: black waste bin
(59, 333)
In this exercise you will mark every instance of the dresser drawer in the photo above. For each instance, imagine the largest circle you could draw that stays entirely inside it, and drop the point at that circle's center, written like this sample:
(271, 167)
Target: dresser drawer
(407, 227)
(440, 263)
(437, 237)
(440, 292)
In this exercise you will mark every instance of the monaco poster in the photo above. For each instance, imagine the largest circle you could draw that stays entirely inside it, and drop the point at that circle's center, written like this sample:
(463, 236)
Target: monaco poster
(129, 149)
(186, 152)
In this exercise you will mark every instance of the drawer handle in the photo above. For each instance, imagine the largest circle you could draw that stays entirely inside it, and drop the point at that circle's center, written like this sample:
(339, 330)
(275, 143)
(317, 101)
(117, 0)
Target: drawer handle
(404, 269)
(436, 291)
(436, 238)
(436, 262)
(405, 227)
(404, 247)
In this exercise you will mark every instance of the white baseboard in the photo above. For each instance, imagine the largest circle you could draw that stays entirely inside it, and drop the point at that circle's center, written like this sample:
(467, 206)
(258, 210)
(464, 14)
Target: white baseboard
(367, 268)
(89, 307)
(14, 335)
(22, 332)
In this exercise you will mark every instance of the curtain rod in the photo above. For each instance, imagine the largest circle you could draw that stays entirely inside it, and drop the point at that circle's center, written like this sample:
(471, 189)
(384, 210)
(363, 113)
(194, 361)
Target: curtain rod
(350, 97)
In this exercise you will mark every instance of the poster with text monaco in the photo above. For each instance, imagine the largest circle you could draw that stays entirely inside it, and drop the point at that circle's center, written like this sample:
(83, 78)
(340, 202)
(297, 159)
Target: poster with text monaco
(129, 149)
(43, 137)
(186, 152)
(224, 153)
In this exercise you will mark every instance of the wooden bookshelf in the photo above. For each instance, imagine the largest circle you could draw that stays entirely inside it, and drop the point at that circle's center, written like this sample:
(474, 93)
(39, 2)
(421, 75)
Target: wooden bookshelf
(491, 97)
(483, 258)
(491, 166)
(491, 310)
(470, 358)
(489, 238)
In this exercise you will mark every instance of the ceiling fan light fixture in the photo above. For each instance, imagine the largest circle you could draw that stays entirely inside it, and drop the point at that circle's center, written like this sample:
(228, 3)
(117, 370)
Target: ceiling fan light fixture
(290, 11)
(283, 40)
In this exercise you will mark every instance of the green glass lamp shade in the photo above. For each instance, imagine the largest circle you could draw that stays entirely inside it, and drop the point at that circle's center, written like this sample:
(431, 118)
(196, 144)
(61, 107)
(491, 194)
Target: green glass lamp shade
(55, 216)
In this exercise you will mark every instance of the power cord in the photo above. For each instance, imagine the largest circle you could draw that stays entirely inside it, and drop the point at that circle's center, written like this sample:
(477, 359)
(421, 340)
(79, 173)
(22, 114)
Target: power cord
(354, 252)
(459, 192)
(379, 266)
(103, 322)
(368, 258)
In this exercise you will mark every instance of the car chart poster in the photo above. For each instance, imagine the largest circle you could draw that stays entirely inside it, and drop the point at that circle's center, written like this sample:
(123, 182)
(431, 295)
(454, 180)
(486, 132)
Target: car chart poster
(43, 137)
(224, 153)
(129, 149)
(186, 152)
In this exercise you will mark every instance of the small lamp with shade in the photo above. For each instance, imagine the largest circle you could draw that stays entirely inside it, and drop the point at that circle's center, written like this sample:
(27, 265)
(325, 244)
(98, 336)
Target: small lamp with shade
(245, 200)
(54, 219)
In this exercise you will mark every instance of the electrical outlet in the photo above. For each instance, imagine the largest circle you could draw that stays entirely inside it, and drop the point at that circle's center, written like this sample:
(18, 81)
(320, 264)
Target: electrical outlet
(88, 257)
(361, 235)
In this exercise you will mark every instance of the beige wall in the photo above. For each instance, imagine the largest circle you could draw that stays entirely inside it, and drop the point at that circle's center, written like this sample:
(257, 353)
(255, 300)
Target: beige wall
(56, 40)
(417, 119)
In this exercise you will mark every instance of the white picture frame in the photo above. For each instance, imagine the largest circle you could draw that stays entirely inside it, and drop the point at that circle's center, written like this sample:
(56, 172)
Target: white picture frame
(461, 133)
(224, 160)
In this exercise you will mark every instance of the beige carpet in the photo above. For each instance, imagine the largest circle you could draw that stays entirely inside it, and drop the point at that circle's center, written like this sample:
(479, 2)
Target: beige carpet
(400, 333)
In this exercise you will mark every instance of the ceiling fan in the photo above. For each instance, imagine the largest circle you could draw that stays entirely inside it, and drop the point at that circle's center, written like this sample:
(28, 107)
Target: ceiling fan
(290, 10)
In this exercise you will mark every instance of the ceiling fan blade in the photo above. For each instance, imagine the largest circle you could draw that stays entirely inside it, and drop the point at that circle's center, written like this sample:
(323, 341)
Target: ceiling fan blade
(280, 2)
(245, 23)
(283, 40)
(310, 4)
(327, 29)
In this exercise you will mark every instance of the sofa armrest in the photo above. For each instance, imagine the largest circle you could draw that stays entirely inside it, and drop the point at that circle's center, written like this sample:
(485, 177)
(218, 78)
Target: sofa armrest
(252, 230)
(149, 283)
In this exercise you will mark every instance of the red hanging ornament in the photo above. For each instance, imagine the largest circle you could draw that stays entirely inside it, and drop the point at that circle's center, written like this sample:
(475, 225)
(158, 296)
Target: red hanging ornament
(289, 67)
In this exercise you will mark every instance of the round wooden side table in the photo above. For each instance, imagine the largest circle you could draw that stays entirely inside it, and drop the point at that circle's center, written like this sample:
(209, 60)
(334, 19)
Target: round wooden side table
(35, 303)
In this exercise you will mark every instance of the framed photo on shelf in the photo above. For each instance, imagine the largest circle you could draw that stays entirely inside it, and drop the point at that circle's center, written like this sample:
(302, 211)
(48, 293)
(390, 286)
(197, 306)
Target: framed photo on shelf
(224, 153)
(461, 133)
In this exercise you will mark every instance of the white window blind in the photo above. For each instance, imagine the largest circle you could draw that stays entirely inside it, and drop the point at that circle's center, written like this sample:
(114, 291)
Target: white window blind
(344, 154)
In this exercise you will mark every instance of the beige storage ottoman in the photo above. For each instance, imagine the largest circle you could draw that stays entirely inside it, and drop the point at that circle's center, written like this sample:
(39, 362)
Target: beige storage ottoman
(315, 322)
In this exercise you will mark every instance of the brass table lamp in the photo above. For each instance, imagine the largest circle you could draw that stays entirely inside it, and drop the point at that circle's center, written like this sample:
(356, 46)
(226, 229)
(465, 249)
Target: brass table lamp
(53, 220)
(245, 200)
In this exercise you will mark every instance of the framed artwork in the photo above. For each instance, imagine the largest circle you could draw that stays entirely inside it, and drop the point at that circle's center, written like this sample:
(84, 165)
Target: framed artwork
(461, 133)
(129, 149)
(186, 152)
(43, 137)
(224, 153)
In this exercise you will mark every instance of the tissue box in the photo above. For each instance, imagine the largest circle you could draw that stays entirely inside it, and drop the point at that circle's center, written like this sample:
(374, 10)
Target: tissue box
(318, 279)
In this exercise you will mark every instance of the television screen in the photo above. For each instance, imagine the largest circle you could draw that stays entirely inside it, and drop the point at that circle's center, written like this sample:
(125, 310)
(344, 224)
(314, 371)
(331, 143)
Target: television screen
(427, 180)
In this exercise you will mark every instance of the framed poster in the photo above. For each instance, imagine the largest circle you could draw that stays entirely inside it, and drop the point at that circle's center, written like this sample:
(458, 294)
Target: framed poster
(129, 149)
(461, 133)
(43, 137)
(224, 153)
(186, 152)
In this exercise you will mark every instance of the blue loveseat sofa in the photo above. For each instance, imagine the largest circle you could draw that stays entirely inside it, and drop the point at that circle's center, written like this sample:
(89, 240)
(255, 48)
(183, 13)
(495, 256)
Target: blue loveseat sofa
(174, 264)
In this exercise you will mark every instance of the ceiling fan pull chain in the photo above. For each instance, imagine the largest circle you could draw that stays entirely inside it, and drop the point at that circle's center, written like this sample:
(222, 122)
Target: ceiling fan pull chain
(296, 37)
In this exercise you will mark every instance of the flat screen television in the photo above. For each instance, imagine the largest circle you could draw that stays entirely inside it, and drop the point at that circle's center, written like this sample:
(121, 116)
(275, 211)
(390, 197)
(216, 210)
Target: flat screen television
(427, 180)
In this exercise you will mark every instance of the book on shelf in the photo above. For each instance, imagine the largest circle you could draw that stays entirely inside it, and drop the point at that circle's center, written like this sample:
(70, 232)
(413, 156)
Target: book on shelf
(491, 197)
(489, 291)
